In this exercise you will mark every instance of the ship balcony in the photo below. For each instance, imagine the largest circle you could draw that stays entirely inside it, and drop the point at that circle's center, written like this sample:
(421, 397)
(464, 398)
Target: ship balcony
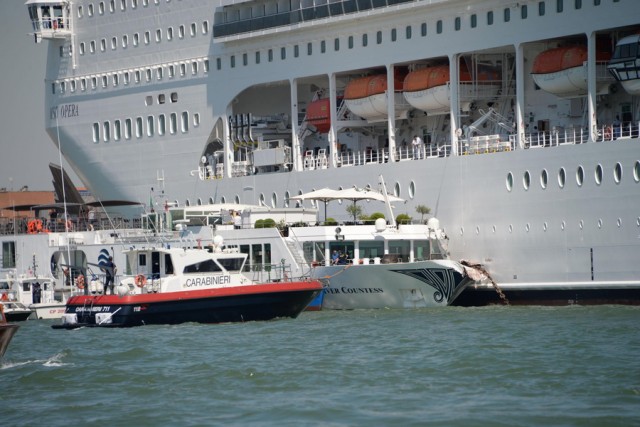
(242, 18)
(50, 19)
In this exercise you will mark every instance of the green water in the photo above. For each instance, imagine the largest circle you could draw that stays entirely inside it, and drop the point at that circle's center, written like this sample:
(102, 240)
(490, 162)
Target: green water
(497, 366)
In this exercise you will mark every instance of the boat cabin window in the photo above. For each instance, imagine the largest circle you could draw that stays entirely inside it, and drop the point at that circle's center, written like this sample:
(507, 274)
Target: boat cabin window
(142, 260)
(207, 266)
(371, 249)
(421, 250)
(400, 248)
(232, 264)
(155, 264)
(168, 264)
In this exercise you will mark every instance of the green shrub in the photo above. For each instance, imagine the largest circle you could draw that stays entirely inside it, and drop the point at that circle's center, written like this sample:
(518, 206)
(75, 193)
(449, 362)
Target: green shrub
(403, 219)
(330, 221)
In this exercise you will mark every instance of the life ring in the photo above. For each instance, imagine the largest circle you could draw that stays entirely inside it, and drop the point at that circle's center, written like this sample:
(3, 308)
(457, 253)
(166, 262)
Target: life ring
(80, 281)
(140, 280)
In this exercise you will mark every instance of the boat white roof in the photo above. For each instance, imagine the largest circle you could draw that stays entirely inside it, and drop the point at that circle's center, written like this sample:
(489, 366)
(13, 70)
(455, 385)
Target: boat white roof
(28, 2)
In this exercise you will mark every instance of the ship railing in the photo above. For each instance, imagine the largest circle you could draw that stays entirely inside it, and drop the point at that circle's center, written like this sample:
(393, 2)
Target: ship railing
(487, 144)
(571, 136)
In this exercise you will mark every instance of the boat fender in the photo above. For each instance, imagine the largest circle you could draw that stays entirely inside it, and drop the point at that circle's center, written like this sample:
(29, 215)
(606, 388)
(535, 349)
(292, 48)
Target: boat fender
(140, 280)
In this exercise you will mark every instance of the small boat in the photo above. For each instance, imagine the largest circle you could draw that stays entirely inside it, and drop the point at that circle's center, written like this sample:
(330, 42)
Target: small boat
(7, 331)
(367, 97)
(172, 285)
(14, 311)
(625, 64)
(562, 71)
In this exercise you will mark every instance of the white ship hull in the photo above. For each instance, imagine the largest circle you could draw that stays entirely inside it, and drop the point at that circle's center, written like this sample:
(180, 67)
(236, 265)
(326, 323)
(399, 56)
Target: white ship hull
(529, 234)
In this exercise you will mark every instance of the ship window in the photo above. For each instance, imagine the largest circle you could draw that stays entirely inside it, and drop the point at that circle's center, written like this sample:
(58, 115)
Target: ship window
(257, 57)
(578, 4)
(396, 189)
(112, 6)
(509, 181)
(63, 86)
(83, 85)
(147, 74)
(94, 82)
(137, 76)
(145, 3)
(232, 61)
(92, 46)
(261, 200)
(237, 199)
(170, 33)
(365, 40)
(117, 130)
(296, 52)
(196, 120)
(205, 27)
(174, 97)
(105, 132)
(490, 17)
(541, 8)
(205, 65)
(617, 173)
(105, 81)
(412, 189)
(96, 132)
(73, 85)
(543, 178)
(206, 266)
(80, 11)
(61, 51)
(101, 8)
(270, 55)
(336, 44)
(161, 124)
(274, 200)
(159, 73)
(407, 32)
(150, 127)
(147, 37)
(173, 118)
(423, 29)
(116, 80)
(457, 23)
(598, 174)
(161, 98)
(474, 20)
(283, 53)
(183, 69)
(194, 68)
(523, 11)
(439, 26)
(172, 71)
(127, 129)
(507, 14)
(526, 180)
(158, 35)
(103, 45)
(379, 37)
(134, 4)
(194, 30)
(125, 41)
(560, 5)
(82, 48)
(136, 39)
(636, 171)
(127, 77)
(323, 46)
(139, 127)
(394, 34)
(245, 59)
(123, 5)
(562, 176)
(579, 176)
(181, 31)
(184, 125)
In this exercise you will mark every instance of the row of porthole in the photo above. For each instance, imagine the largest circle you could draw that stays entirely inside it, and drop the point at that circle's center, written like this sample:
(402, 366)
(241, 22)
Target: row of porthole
(287, 196)
(545, 226)
(580, 175)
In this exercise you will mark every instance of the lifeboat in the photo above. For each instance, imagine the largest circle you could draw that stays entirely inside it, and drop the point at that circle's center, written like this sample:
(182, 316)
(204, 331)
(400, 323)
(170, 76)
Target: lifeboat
(367, 97)
(319, 114)
(625, 64)
(562, 71)
(427, 89)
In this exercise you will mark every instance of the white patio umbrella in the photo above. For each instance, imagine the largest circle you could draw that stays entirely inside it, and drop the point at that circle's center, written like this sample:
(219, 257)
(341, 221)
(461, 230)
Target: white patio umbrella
(323, 195)
(356, 194)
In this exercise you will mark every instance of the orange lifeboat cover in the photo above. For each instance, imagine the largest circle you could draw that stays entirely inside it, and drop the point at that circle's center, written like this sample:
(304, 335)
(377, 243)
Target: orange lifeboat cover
(318, 114)
(426, 78)
(563, 58)
(370, 85)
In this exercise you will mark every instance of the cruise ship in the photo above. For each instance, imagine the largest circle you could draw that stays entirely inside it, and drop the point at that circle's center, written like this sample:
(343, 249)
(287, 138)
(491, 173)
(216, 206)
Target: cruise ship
(527, 113)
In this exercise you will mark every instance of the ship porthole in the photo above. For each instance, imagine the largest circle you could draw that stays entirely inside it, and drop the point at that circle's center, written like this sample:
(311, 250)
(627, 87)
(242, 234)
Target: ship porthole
(237, 199)
(527, 227)
(509, 181)
(187, 203)
(562, 225)
(274, 200)
(510, 228)
(477, 230)
(581, 224)
(580, 176)
(493, 229)
(638, 222)
(396, 189)
(544, 226)
(598, 175)
(526, 180)
(543, 178)
(561, 177)
(287, 195)
(412, 189)
(636, 171)
(600, 223)
(222, 199)
(461, 231)
(261, 200)
(199, 201)
(617, 173)
(210, 200)
(619, 222)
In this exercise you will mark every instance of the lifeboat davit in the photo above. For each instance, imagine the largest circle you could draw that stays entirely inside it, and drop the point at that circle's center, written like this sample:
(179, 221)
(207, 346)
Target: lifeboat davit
(367, 97)
(427, 89)
(319, 114)
(625, 64)
(562, 71)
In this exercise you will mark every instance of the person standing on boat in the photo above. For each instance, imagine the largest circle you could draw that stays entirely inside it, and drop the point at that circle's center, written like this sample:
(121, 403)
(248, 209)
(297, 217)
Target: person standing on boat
(110, 271)
(417, 147)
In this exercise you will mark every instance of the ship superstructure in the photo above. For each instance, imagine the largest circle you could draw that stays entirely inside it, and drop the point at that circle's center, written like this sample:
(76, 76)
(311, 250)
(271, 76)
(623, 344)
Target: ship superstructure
(526, 110)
